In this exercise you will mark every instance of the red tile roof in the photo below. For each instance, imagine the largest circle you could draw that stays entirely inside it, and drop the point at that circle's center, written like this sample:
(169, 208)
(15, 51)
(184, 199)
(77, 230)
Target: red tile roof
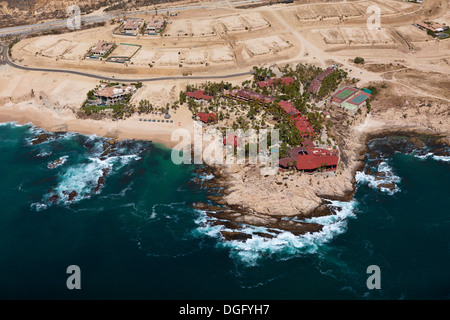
(317, 81)
(250, 95)
(303, 126)
(198, 94)
(265, 83)
(287, 80)
(207, 117)
(288, 107)
(313, 162)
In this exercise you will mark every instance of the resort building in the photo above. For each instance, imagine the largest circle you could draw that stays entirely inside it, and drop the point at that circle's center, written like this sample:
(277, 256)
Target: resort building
(307, 158)
(199, 95)
(112, 95)
(155, 26)
(207, 117)
(132, 26)
(303, 126)
(288, 107)
(316, 83)
(310, 159)
(247, 95)
(101, 49)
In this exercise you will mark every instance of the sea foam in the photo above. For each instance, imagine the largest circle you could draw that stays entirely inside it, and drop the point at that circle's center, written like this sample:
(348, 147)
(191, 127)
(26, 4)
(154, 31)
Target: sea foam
(283, 245)
(388, 177)
(432, 156)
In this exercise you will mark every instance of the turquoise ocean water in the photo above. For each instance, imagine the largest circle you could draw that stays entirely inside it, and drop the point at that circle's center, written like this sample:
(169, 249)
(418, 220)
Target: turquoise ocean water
(135, 235)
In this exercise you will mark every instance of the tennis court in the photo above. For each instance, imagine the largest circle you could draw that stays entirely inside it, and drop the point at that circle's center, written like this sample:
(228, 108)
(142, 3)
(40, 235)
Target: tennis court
(349, 106)
(343, 93)
(359, 99)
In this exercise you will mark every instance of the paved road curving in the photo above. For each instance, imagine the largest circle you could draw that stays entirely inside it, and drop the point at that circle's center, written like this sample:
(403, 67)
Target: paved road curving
(90, 75)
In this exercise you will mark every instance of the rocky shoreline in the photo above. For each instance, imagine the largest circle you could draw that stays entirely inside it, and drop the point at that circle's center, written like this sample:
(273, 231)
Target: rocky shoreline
(236, 217)
(110, 148)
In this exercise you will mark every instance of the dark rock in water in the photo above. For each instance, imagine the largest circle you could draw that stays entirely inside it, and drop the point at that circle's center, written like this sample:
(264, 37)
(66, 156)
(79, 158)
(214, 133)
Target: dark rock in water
(418, 143)
(206, 207)
(378, 174)
(56, 163)
(100, 183)
(54, 198)
(107, 150)
(264, 235)
(391, 186)
(106, 171)
(442, 152)
(72, 195)
(373, 155)
(101, 180)
(227, 224)
(109, 147)
(43, 137)
(236, 236)
(297, 228)
(320, 211)
(376, 163)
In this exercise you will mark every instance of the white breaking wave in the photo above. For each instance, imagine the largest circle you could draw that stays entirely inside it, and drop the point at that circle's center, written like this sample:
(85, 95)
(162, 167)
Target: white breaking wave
(431, 155)
(283, 245)
(206, 176)
(83, 179)
(59, 162)
(442, 158)
(15, 124)
(44, 154)
(375, 182)
(38, 206)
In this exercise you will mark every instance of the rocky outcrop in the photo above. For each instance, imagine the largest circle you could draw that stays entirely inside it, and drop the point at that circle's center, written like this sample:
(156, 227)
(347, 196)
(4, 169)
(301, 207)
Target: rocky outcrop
(252, 198)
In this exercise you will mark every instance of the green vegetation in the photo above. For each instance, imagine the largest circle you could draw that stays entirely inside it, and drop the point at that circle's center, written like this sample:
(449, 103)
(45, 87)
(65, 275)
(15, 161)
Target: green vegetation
(358, 60)
(138, 85)
(12, 44)
(120, 110)
(261, 74)
(145, 107)
(331, 82)
(431, 33)
(240, 114)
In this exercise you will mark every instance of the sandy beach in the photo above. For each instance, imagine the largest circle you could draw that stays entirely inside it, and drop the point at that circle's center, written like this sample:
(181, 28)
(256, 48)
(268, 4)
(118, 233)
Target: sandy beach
(57, 100)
